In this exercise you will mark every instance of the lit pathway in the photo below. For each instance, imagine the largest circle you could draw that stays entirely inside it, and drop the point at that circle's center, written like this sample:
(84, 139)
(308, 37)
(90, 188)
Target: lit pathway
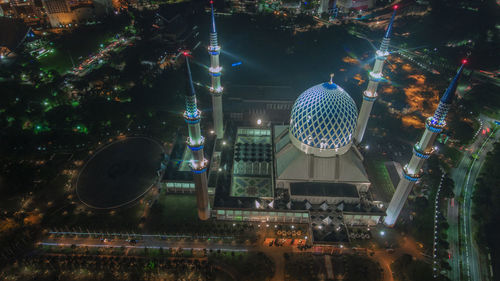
(146, 242)
(276, 254)
(462, 244)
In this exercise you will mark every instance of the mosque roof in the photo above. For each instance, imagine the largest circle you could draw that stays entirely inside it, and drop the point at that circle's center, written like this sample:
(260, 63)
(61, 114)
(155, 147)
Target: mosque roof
(294, 165)
(323, 120)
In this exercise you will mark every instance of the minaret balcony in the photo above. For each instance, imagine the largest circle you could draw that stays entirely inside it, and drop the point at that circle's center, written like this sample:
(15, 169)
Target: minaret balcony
(377, 77)
(198, 167)
(191, 118)
(381, 55)
(195, 145)
(412, 177)
(420, 153)
(370, 96)
(216, 91)
(434, 126)
(214, 50)
(215, 71)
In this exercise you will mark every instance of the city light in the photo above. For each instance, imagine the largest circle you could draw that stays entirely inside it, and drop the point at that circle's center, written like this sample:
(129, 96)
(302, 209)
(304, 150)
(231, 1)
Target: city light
(278, 171)
(215, 69)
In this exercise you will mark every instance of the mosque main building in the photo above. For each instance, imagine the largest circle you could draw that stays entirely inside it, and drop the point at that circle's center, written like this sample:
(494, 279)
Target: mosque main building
(309, 171)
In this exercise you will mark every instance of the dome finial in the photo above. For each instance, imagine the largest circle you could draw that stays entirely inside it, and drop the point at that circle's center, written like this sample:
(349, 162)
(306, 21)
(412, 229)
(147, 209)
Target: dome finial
(331, 78)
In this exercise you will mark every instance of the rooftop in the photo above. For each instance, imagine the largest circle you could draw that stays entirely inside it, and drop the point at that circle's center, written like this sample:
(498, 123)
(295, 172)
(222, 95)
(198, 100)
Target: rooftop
(252, 164)
(323, 189)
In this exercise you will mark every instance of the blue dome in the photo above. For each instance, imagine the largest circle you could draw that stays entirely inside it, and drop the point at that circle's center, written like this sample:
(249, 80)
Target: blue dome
(323, 120)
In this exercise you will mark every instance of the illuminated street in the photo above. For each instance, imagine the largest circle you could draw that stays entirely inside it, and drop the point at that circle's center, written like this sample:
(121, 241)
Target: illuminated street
(465, 176)
(293, 140)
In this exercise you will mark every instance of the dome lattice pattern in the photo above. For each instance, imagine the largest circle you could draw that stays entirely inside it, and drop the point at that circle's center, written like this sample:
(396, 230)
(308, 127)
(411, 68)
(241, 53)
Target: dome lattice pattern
(324, 116)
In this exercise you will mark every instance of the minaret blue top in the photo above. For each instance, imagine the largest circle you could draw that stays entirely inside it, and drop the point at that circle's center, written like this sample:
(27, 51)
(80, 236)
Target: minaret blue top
(214, 45)
(191, 91)
(448, 95)
(389, 27)
(439, 118)
(213, 18)
(192, 113)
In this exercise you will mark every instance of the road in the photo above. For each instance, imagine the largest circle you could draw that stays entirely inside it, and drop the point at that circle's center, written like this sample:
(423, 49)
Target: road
(145, 242)
(465, 258)
(407, 245)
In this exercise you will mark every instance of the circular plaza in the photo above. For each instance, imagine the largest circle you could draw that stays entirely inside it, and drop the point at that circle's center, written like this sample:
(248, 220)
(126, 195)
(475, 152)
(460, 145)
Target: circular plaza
(120, 173)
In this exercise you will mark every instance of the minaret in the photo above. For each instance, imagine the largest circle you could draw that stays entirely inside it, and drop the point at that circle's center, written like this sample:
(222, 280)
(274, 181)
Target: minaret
(421, 151)
(215, 73)
(370, 95)
(195, 143)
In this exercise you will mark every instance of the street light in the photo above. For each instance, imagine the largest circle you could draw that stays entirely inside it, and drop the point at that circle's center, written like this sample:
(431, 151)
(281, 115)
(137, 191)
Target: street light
(382, 233)
(259, 121)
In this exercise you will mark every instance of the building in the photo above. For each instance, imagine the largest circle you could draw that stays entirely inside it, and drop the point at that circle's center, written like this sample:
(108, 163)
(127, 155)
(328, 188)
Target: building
(370, 95)
(215, 69)
(62, 13)
(298, 163)
(14, 34)
(315, 159)
(243, 6)
(421, 151)
(195, 142)
(58, 13)
(346, 5)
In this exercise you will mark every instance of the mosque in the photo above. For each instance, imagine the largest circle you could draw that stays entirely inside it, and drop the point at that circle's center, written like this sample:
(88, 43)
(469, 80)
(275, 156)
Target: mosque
(309, 171)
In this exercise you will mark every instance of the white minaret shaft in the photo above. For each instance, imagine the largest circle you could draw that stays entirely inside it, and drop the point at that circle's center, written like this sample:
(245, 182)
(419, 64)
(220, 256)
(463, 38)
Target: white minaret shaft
(195, 143)
(370, 95)
(421, 151)
(215, 73)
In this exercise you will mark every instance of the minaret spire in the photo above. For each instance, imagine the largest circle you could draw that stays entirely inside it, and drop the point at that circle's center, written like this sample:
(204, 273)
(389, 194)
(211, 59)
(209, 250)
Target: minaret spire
(213, 17)
(444, 104)
(195, 143)
(370, 95)
(391, 22)
(421, 151)
(215, 73)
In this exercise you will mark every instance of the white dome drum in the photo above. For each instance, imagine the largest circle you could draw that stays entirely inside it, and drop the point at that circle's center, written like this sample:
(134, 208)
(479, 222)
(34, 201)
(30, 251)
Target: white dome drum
(323, 120)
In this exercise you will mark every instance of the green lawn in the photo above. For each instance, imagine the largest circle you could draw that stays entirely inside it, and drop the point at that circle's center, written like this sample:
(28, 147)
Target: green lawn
(172, 212)
(380, 178)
